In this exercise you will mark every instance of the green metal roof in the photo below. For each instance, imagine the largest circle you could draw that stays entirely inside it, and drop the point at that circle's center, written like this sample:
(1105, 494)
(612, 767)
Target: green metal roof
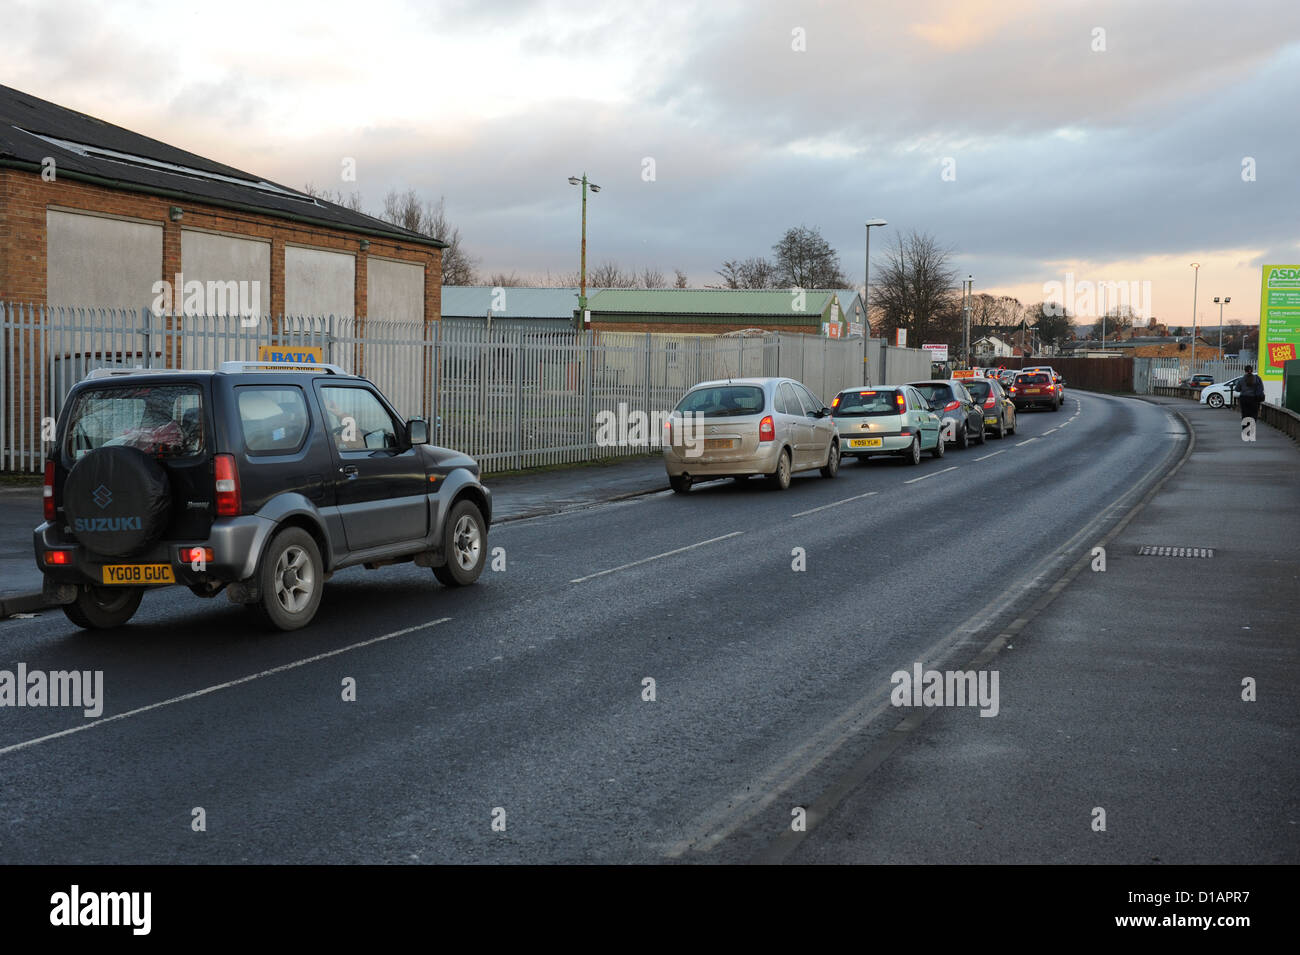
(769, 303)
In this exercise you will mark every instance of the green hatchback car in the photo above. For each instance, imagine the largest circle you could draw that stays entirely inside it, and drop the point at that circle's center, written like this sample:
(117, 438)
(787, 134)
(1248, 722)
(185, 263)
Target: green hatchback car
(886, 419)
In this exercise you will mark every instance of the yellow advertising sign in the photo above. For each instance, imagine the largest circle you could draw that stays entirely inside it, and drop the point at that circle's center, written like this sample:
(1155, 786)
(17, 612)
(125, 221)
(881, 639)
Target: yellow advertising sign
(297, 354)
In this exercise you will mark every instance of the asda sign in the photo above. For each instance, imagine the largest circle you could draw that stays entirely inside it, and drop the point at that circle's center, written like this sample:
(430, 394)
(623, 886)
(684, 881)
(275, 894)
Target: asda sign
(1279, 319)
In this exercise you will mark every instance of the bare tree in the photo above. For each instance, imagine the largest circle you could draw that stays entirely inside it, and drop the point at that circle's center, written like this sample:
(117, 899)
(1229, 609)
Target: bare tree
(679, 279)
(502, 280)
(916, 289)
(652, 278)
(805, 259)
(408, 211)
(750, 273)
(609, 274)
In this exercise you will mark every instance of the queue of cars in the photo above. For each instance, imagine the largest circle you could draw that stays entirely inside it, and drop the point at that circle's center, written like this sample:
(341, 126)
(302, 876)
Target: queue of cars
(775, 427)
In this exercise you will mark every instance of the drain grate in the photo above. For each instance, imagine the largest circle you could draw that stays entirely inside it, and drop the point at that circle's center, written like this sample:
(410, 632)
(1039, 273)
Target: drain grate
(1159, 550)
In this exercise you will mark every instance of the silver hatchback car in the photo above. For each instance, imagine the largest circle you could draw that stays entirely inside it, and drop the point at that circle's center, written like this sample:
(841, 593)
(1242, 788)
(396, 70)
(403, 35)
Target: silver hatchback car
(740, 427)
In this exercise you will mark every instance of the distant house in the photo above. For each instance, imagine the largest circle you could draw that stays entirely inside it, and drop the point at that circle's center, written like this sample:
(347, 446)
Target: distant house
(1151, 346)
(852, 309)
(96, 215)
(990, 346)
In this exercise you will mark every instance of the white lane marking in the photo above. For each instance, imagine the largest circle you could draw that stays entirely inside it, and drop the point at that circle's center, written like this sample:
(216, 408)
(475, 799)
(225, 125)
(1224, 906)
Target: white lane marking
(222, 686)
(1026, 442)
(814, 510)
(1046, 433)
(931, 474)
(646, 560)
(1003, 451)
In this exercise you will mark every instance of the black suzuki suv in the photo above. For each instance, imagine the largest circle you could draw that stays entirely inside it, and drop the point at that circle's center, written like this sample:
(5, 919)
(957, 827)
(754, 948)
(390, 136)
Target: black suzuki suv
(258, 480)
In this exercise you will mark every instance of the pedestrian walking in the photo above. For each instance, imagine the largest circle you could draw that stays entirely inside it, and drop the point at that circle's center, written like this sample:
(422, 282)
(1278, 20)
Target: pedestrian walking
(1251, 388)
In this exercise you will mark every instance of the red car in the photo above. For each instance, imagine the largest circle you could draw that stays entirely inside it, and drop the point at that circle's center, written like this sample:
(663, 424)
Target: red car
(1036, 389)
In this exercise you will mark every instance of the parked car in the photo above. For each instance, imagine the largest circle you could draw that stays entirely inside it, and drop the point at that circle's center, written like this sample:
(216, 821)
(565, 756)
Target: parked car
(998, 408)
(740, 427)
(1035, 389)
(1197, 381)
(889, 419)
(254, 480)
(960, 417)
(1224, 393)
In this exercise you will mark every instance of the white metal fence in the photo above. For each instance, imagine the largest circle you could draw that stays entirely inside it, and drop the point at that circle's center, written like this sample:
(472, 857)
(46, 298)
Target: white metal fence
(512, 398)
(1151, 373)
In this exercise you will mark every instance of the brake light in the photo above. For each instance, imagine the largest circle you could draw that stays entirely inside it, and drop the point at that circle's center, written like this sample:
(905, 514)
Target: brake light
(47, 491)
(902, 404)
(1013, 389)
(990, 401)
(58, 557)
(767, 429)
(952, 406)
(668, 433)
(196, 555)
(229, 503)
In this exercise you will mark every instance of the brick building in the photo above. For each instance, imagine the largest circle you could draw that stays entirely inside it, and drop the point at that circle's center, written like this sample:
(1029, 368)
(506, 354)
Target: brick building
(95, 215)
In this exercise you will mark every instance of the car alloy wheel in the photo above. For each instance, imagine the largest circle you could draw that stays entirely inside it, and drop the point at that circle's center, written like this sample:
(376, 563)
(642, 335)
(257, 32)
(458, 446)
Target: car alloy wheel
(1215, 400)
(292, 576)
(780, 478)
(938, 449)
(464, 546)
(914, 452)
(295, 580)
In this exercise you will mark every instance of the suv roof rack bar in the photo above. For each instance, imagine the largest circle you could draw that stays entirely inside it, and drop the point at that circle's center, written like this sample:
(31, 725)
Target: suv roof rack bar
(111, 372)
(237, 367)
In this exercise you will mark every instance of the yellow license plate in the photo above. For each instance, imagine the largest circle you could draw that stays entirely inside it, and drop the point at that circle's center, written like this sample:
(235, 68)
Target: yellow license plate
(128, 575)
(719, 444)
(864, 442)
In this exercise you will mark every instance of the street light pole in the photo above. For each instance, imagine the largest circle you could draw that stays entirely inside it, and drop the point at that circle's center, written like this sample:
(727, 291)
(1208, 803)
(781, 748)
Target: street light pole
(1103, 318)
(582, 272)
(1195, 282)
(1226, 300)
(968, 292)
(866, 297)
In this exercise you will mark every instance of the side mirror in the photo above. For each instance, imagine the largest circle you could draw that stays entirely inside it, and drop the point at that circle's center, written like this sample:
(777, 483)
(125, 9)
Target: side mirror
(417, 429)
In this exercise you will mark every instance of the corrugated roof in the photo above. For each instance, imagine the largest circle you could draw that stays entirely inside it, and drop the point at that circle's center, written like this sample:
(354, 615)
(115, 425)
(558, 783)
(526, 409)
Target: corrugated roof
(32, 129)
(772, 303)
(521, 302)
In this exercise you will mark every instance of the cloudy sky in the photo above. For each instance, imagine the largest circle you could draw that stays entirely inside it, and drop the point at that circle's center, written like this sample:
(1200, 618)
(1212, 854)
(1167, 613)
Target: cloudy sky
(1118, 141)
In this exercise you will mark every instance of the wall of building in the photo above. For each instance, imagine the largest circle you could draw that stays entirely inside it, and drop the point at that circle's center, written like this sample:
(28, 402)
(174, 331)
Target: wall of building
(216, 257)
(319, 282)
(395, 292)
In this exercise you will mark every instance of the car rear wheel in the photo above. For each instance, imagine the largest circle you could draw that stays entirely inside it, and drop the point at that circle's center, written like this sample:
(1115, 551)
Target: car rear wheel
(292, 576)
(1002, 427)
(832, 467)
(914, 452)
(963, 442)
(937, 451)
(980, 433)
(780, 478)
(680, 483)
(1215, 400)
(103, 608)
(464, 544)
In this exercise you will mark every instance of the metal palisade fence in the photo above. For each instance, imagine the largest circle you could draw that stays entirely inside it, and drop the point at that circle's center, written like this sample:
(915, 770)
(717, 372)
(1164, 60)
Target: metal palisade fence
(510, 397)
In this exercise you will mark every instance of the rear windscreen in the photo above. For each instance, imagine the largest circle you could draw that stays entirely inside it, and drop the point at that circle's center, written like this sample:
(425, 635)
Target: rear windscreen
(723, 401)
(865, 404)
(164, 421)
(933, 393)
(979, 390)
(1036, 379)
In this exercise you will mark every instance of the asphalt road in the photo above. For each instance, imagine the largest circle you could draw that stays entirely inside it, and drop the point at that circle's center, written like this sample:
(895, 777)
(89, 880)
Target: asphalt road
(525, 692)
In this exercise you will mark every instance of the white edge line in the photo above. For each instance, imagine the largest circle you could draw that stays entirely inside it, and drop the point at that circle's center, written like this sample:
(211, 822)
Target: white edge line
(931, 474)
(220, 686)
(835, 504)
(646, 560)
(992, 454)
(1045, 433)
(1026, 442)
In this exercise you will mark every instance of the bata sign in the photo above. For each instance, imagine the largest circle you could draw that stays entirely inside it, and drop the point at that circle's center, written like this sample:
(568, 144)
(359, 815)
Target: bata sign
(937, 352)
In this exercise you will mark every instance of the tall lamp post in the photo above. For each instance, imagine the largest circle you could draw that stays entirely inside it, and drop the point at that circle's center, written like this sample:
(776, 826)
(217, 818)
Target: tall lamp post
(1195, 281)
(582, 273)
(968, 290)
(1226, 300)
(866, 296)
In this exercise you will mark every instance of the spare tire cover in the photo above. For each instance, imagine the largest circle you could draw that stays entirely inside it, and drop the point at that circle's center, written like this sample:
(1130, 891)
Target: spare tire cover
(117, 501)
